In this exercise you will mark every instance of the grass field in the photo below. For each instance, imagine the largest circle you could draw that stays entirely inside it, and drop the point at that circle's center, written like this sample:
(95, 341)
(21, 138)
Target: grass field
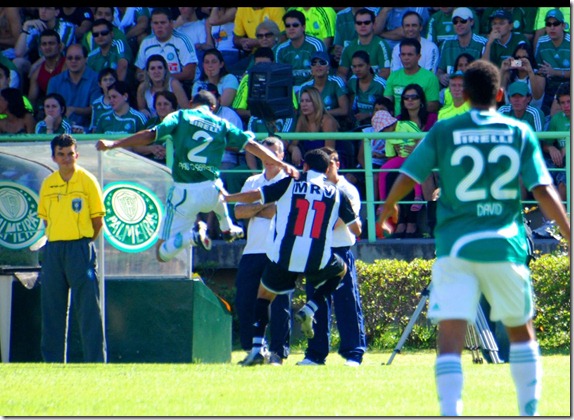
(405, 388)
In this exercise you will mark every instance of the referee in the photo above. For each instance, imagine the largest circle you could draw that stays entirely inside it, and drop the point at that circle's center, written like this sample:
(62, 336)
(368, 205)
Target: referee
(72, 208)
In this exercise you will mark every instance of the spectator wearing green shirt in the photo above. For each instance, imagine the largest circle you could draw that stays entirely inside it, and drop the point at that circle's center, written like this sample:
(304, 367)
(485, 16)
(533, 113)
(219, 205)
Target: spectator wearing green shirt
(522, 20)
(412, 72)
(107, 53)
(345, 30)
(502, 41)
(555, 149)
(55, 121)
(520, 108)
(319, 22)
(122, 118)
(440, 26)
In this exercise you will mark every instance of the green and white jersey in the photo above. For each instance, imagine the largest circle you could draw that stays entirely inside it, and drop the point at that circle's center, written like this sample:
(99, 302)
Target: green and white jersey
(559, 122)
(378, 49)
(480, 156)
(299, 58)
(451, 49)
(129, 123)
(533, 116)
(99, 108)
(199, 141)
(334, 88)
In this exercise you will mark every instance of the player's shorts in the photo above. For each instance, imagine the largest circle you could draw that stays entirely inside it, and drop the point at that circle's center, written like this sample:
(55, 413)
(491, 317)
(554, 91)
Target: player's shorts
(185, 202)
(457, 285)
(280, 281)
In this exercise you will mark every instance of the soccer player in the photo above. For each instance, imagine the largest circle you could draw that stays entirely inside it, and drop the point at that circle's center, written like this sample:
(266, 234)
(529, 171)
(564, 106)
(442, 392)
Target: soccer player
(199, 139)
(307, 210)
(481, 243)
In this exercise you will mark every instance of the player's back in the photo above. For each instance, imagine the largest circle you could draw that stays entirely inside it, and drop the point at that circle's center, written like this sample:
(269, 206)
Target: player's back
(481, 158)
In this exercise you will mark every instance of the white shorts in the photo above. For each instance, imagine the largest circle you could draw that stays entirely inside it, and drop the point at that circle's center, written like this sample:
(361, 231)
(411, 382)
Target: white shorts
(457, 285)
(185, 202)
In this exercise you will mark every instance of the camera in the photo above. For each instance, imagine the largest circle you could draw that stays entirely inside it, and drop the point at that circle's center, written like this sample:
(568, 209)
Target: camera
(515, 63)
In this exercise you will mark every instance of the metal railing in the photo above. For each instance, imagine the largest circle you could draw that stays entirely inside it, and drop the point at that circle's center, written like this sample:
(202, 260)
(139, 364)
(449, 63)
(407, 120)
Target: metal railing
(368, 170)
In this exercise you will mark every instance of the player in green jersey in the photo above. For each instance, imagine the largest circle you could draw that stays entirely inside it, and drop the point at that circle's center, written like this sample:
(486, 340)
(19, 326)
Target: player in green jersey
(481, 243)
(199, 141)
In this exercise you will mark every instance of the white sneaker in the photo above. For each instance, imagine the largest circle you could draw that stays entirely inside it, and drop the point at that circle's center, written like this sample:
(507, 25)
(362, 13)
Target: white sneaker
(306, 319)
(307, 362)
(352, 363)
(235, 232)
(200, 237)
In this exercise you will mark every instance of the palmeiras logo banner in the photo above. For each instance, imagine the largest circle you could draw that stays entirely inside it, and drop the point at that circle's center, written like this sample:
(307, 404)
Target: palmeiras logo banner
(133, 215)
(20, 226)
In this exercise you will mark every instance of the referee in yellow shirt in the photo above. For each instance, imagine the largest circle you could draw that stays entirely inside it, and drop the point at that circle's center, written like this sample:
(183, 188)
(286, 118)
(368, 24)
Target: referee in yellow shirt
(72, 207)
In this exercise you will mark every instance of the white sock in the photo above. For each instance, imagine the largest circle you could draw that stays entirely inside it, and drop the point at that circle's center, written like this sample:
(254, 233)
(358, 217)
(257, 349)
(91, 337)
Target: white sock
(526, 371)
(173, 246)
(312, 306)
(448, 374)
(222, 215)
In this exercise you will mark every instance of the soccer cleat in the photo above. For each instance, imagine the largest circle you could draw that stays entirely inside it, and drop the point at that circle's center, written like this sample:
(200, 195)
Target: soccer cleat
(275, 359)
(305, 318)
(253, 359)
(200, 237)
(307, 362)
(352, 363)
(232, 234)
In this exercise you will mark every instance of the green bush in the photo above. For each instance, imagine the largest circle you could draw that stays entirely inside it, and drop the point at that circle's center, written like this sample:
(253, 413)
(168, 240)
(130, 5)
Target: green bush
(391, 290)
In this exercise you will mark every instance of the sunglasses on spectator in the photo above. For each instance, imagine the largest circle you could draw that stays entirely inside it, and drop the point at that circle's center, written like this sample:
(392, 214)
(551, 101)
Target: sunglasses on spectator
(265, 35)
(413, 97)
(555, 23)
(102, 33)
(319, 62)
(74, 57)
(457, 21)
(363, 22)
(292, 25)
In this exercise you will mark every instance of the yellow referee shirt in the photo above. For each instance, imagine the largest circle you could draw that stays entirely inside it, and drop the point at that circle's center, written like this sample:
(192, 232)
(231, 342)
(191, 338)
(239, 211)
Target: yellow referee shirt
(69, 207)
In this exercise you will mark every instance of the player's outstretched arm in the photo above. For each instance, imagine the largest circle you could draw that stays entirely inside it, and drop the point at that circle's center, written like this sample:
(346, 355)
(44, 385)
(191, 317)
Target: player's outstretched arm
(267, 156)
(141, 138)
(552, 207)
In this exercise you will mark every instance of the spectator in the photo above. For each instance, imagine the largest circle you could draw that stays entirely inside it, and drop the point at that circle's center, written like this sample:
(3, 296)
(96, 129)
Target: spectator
(134, 22)
(254, 260)
(346, 298)
(441, 27)
(81, 17)
(539, 21)
(552, 54)
(122, 118)
(55, 121)
(193, 27)
(158, 78)
(414, 107)
(502, 41)
(106, 77)
(27, 49)
(164, 103)
(526, 72)
(412, 28)
(364, 86)
(412, 72)
(457, 104)
(268, 34)
(107, 53)
(174, 46)
(396, 152)
(78, 84)
(298, 49)
(366, 40)
(18, 119)
(319, 22)
(345, 30)
(389, 22)
(522, 20)
(5, 83)
(555, 149)
(245, 25)
(219, 33)
(460, 64)
(10, 30)
(118, 36)
(465, 40)
(15, 80)
(313, 118)
(333, 89)
(213, 70)
(519, 108)
(53, 64)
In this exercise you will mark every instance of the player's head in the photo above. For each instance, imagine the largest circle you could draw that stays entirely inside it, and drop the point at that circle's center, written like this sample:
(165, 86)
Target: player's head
(316, 160)
(204, 97)
(481, 83)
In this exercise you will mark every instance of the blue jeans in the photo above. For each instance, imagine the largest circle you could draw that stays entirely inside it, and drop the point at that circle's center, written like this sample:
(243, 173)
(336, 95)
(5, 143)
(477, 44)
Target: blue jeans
(349, 316)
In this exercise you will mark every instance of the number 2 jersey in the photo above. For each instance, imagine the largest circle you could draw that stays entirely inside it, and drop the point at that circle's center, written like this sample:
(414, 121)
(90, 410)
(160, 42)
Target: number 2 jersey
(199, 141)
(481, 157)
(302, 230)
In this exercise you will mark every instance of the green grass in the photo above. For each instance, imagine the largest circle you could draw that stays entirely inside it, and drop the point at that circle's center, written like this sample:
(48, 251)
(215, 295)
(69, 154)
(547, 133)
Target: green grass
(405, 388)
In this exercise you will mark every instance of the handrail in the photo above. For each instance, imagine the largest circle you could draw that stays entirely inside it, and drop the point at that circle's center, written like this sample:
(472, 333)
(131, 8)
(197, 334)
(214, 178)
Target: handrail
(368, 170)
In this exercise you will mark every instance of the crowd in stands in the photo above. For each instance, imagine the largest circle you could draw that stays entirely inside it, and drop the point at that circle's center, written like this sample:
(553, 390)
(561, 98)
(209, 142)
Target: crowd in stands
(115, 70)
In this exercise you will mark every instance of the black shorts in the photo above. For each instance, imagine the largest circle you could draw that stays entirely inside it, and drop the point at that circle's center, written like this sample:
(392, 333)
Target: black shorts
(280, 281)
